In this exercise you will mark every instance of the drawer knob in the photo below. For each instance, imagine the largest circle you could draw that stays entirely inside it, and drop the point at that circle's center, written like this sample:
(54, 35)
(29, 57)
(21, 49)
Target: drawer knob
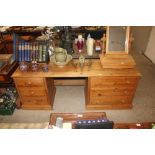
(114, 83)
(125, 92)
(28, 83)
(116, 89)
(32, 92)
(128, 81)
(99, 94)
(123, 101)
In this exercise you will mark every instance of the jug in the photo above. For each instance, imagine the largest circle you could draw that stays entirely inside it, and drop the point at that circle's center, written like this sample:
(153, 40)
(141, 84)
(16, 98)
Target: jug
(60, 55)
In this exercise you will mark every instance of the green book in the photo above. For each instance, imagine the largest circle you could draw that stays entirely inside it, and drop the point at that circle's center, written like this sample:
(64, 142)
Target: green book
(37, 51)
(40, 53)
(44, 52)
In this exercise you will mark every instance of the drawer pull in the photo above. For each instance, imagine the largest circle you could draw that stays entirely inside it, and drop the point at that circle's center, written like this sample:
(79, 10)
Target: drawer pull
(125, 92)
(116, 89)
(114, 83)
(128, 81)
(99, 94)
(28, 84)
(32, 92)
(123, 101)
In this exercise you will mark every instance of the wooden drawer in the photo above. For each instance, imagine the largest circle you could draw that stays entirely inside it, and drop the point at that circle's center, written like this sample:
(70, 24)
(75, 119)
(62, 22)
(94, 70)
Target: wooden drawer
(98, 82)
(34, 100)
(115, 87)
(111, 100)
(34, 92)
(111, 91)
(29, 82)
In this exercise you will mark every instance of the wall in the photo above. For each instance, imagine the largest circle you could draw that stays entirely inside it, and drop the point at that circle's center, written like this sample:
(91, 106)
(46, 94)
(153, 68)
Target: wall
(141, 35)
(150, 50)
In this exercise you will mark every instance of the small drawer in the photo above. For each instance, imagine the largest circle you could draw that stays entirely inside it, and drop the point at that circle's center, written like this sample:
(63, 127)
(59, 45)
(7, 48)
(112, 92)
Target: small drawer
(112, 91)
(29, 82)
(97, 82)
(34, 92)
(111, 100)
(34, 101)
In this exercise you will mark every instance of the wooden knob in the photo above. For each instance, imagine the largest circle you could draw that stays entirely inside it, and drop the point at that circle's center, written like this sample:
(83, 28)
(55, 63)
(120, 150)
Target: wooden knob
(115, 83)
(123, 101)
(127, 81)
(28, 83)
(115, 89)
(125, 92)
(99, 94)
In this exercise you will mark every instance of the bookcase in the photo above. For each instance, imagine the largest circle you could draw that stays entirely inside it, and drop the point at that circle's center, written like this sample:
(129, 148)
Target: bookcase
(28, 49)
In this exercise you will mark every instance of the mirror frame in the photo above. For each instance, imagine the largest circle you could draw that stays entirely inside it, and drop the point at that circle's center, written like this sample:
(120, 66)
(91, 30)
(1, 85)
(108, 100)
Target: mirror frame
(126, 42)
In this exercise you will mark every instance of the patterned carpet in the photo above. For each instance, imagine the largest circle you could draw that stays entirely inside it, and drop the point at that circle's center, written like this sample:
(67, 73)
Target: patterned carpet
(24, 125)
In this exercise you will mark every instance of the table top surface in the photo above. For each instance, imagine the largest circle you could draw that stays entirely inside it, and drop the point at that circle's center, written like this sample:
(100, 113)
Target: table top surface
(90, 68)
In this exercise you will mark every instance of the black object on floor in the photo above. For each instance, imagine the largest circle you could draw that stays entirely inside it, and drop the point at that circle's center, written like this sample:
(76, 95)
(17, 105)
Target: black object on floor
(94, 124)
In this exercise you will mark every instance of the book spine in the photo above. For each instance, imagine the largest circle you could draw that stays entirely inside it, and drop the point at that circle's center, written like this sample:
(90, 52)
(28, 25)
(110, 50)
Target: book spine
(19, 52)
(28, 52)
(33, 51)
(40, 53)
(36, 50)
(23, 51)
(30, 49)
(44, 52)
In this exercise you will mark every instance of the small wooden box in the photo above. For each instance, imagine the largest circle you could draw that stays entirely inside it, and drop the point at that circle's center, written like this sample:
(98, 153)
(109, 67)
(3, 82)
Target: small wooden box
(117, 61)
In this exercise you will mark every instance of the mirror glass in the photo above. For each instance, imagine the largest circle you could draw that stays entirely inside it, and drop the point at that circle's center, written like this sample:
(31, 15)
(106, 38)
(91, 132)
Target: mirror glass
(117, 38)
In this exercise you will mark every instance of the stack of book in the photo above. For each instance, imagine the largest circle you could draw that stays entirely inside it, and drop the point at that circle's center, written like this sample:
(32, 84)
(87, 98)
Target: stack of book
(30, 51)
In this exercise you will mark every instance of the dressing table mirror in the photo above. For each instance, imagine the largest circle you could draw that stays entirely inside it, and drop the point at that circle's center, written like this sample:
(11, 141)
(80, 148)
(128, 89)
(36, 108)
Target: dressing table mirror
(117, 39)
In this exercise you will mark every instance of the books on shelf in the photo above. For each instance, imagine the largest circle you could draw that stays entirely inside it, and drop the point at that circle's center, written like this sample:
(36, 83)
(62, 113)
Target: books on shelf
(30, 51)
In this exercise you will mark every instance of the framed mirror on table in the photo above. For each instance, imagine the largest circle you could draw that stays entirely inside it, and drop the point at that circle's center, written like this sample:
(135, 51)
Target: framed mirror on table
(117, 39)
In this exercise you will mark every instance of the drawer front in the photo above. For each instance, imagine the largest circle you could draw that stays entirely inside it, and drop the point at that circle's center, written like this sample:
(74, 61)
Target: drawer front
(111, 100)
(98, 82)
(34, 101)
(115, 87)
(29, 82)
(34, 92)
(111, 92)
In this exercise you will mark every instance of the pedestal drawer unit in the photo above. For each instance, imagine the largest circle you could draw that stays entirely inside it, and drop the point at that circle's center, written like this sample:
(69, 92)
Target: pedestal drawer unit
(111, 92)
(35, 93)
